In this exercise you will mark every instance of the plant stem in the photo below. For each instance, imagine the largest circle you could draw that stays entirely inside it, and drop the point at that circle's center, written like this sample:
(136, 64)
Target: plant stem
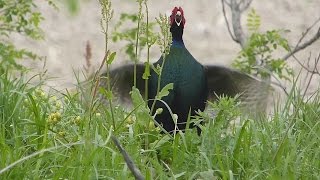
(166, 39)
(107, 14)
(148, 60)
(137, 44)
(148, 52)
(108, 75)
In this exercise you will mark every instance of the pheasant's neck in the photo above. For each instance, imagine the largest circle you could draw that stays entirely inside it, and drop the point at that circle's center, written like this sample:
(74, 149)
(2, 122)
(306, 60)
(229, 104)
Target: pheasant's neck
(177, 32)
(177, 43)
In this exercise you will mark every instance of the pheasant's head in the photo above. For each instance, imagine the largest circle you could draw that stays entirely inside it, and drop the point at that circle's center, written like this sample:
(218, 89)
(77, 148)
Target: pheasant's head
(177, 17)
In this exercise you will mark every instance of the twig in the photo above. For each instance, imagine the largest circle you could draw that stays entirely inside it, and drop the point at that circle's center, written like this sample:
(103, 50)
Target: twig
(306, 32)
(280, 86)
(312, 75)
(315, 69)
(133, 168)
(246, 5)
(299, 47)
(227, 22)
(278, 83)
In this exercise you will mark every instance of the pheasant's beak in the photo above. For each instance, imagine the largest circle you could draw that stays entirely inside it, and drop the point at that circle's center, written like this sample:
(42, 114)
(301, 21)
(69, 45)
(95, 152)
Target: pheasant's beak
(178, 18)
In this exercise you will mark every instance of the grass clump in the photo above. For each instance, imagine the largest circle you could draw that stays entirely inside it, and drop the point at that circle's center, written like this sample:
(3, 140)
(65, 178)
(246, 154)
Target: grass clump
(54, 135)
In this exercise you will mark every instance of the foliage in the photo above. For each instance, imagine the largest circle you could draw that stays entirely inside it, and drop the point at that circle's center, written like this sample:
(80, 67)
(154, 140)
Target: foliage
(22, 17)
(73, 6)
(257, 57)
(129, 35)
(164, 37)
(9, 55)
(54, 135)
(253, 21)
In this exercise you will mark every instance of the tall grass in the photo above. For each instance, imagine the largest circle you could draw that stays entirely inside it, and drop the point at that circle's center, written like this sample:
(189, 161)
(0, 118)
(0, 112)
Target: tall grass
(50, 135)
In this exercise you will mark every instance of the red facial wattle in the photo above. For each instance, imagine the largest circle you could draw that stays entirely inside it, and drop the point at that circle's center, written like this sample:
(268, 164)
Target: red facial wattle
(177, 17)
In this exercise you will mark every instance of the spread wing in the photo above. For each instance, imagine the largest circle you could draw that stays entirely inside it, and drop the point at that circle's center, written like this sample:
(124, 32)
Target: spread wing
(225, 81)
(121, 80)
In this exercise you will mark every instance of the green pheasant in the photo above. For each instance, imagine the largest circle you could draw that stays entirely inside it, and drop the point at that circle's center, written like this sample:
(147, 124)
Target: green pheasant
(193, 83)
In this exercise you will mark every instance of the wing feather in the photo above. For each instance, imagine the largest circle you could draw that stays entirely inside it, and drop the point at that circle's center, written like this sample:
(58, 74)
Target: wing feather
(121, 80)
(225, 81)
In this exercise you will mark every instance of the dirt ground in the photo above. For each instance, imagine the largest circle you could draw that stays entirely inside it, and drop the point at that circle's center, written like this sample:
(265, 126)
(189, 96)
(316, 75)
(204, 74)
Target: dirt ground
(205, 35)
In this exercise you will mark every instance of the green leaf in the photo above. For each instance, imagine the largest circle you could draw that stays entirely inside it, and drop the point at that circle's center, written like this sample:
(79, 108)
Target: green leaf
(156, 69)
(157, 144)
(109, 95)
(253, 21)
(165, 91)
(136, 97)
(106, 93)
(209, 174)
(111, 57)
(239, 144)
(146, 73)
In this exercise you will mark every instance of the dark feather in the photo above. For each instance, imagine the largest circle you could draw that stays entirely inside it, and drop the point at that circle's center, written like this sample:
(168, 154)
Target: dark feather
(122, 81)
(221, 81)
(225, 81)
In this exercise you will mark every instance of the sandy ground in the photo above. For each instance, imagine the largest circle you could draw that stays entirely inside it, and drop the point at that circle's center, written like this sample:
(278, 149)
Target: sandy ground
(205, 34)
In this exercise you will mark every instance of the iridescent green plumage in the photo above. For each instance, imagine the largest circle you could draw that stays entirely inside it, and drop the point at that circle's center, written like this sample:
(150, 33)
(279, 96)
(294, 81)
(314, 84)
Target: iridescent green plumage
(189, 87)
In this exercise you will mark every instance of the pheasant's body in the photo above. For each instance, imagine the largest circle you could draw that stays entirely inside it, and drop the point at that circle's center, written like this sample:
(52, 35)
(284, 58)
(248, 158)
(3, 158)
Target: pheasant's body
(189, 87)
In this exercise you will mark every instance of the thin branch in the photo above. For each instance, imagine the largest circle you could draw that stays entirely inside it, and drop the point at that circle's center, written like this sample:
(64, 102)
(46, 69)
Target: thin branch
(302, 65)
(278, 83)
(312, 75)
(315, 69)
(133, 168)
(245, 5)
(238, 35)
(306, 32)
(236, 23)
(281, 86)
(226, 20)
(299, 47)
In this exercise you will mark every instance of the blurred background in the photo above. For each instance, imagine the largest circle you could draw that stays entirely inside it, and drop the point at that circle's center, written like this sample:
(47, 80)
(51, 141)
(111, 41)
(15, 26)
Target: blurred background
(68, 29)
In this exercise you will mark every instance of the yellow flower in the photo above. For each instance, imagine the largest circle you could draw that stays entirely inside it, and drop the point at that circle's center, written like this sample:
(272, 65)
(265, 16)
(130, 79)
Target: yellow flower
(40, 93)
(62, 133)
(77, 120)
(58, 105)
(151, 125)
(54, 118)
(53, 98)
(130, 120)
(57, 115)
